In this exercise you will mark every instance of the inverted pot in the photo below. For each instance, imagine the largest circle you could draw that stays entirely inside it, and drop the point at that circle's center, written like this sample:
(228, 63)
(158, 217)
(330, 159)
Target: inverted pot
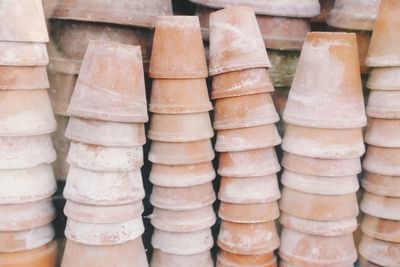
(23, 78)
(383, 104)
(248, 213)
(381, 207)
(383, 132)
(23, 54)
(381, 185)
(162, 259)
(380, 252)
(384, 78)
(382, 229)
(382, 160)
(61, 88)
(227, 259)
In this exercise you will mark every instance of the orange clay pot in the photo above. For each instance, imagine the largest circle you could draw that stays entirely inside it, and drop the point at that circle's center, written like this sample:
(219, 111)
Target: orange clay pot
(380, 252)
(226, 259)
(247, 138)
(383, 104)
(381, 185)
(384, 79)
(308, 104)
(248, 213)
(318, 207)
(248, 239)
(162, 259)
(382, 160)
(171, 96)
(23, 54)
(183, 198)
(323, 143)
(301, 249)
(381, 207)
(182, 175)
(248, 163)
(383, 132)
(23, 78)
(236, 42)
(385, 230)
(181, 153)
(178, 51)
(61, 145)
(61, 88)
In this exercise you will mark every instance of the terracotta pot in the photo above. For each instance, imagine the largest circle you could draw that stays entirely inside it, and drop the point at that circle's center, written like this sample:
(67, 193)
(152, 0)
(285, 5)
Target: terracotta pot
(226, 259)
(181, 153)
(26, 112)
(383, 104)
(253, 190)
(248, 239)
(381, 185)
(118, 97)
(383, 132)
(25, 152)
(183, 198)
(248, 213)
(384, 79)
(383, 50)
(107, 159)
(321, 167)
(247, 138)
(323, 143)
(256, 162)
(16, 241)
(284, 64)
(178, 51)
(162, 259)
(105, 133)
(183, 221)
(23, 54)
(171, 96)
(44, 256)
(82, 255)
(385, 230)
(236, 42)
(318, 207)
(380, 252)
(244, 111)
(321, 185)
(308, 104)
(104, 234)
(240, 83)
(301, 249)
(381, 207)
(182, 175)
(182, 243)
(23, 78)
(382, 160)
(61, 88)
(61, 145)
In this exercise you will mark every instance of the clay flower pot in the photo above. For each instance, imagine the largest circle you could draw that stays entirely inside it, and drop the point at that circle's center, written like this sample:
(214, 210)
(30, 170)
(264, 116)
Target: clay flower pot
(248, 213)
(256, 162)
(383, 104)
(380, 206)
(182, 243)
(248, 239)
(61, 145)
(23, 54)
(182, 175)
(181, 153)
(380, 252)
(383, 132)
(26, 112)
(381, 185)
(383, 50)
(247, 138)
(299, 249)
(382, 160)
(318, 207)
(183, 198)
(244, 111)
(384, 79)
(107, 159)
(61, 88)
(172, 96)
(178, 51)
(323, 143)
(284, 64)
(321, 167)
(382, 229)
(82, 255)
(308, 104)
(242, 82)
(162, 259)
(235, 44)
(23, 78)
(112, 91)
(226, 259)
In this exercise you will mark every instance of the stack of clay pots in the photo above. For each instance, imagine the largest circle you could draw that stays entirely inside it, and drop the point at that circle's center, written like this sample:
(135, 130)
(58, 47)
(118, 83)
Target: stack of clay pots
(26, 151)
(181, 149)
(380, 244)
(104, 188)
(246, 136)
(322, 145)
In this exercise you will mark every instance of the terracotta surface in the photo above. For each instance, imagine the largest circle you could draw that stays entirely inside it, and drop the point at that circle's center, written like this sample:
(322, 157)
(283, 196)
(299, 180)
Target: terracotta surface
(385, 230)
(226, 259)
(383, 104)
(335, 57)
(321, 167)
(248, 213)
(380, 252)
(323, 143)
(23, 54)
(173, 96)
(247, 138)
(61, 88)
(301, 249)
(382, 160)
(181, 175)
(318, 207)
(162, 259)
(244, 111)
(183, 198)
(248, 239)
(383, 132)
(235, 41)
(104, 91)
(384, 50)
(284, 64)
(384, 79)
(61, 145)
(381, 185)
(81, 255)
(256, 162)
(23, 78)
(365, 263)
(181, 153)
(381, 207)
(178, 50)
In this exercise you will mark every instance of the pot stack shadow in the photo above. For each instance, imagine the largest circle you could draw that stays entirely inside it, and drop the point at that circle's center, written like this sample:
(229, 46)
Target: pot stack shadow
(104, 188)
(380, 243)
(181, 151)
(246, 136)
(322, 146)
(26, 152)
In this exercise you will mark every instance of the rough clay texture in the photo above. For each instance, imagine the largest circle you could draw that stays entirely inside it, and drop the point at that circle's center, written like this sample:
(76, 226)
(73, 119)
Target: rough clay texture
(23, 54)
(162, 259)
(249, 213)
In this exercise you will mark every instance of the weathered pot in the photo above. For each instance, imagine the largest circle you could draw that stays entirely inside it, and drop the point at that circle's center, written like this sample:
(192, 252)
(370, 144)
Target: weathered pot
(162, 259)
(248, 213)
(23, 78)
